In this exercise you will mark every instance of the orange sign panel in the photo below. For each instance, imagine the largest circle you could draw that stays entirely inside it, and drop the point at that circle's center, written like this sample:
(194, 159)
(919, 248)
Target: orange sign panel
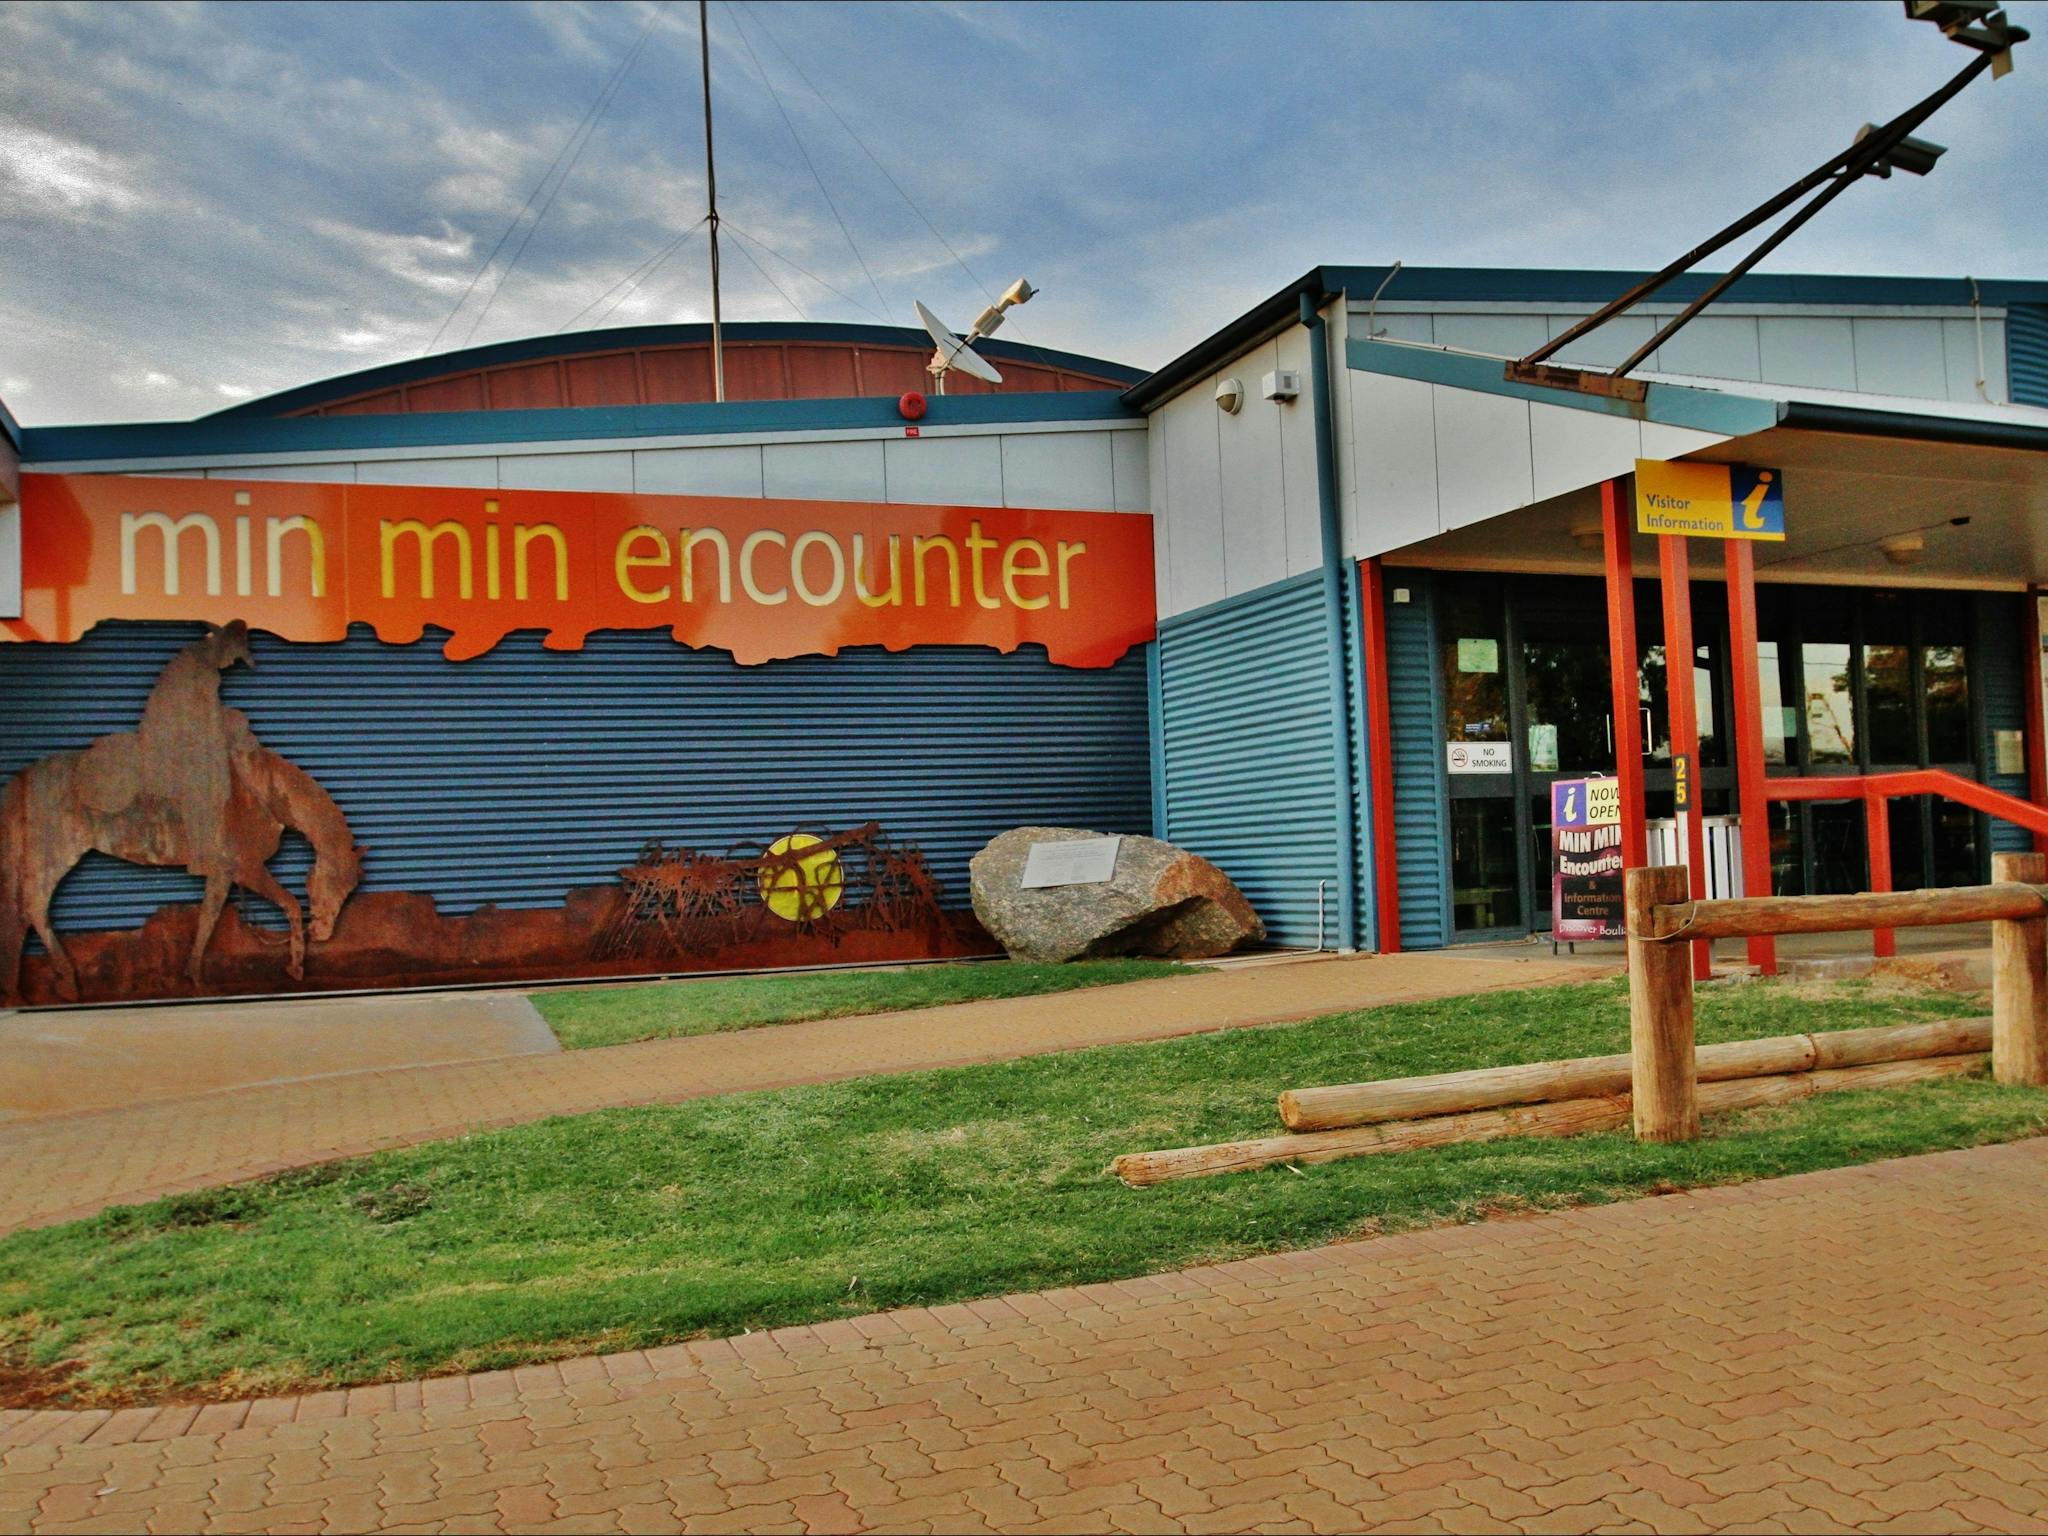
(760, 579)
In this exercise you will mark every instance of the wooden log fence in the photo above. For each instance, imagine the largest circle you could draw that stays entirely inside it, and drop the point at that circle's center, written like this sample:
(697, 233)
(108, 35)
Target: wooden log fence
(1665, 1083)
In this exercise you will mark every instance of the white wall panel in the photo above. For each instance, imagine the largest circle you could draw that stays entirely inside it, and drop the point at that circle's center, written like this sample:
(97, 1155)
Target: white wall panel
(1818, 351)
(1482, 456)
(1394, 425)
(1662, 442)
(1901, 357)
(1162, 525)
(331, 474)
(1252, 479)
(849, 471)
(1501, 335)
(1959, 345)
(1130, 482)
(1713, 347)
(1193, 504)
(1570, 448)
(611, 471)
(1395, 327)
(1299, 509)
(481, 473)
(942, 471)
(1058, 469)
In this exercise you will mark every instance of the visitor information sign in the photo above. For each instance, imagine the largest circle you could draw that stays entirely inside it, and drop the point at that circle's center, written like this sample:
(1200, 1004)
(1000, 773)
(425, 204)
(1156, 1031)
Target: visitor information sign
(1710, 501)
(1585, 859)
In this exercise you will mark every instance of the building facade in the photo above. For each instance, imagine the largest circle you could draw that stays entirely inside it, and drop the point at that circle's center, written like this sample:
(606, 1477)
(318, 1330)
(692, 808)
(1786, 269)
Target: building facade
(1328, 599)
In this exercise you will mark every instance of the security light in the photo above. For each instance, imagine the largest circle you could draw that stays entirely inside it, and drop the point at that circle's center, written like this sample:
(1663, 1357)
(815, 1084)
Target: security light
(1979, 24)
(1915, 157)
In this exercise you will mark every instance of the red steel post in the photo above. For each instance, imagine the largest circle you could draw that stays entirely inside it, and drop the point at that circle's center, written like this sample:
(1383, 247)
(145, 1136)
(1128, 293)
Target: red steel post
(1877, 841)
(1616, 534)
(1379, 743)
(1674, 569)
(1749, 739)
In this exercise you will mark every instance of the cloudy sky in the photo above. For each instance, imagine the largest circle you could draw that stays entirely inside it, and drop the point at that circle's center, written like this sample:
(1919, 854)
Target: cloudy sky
(200, 203)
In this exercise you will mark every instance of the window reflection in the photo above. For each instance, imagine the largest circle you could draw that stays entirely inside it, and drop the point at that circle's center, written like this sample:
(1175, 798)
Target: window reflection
(1781, 729)
(1830, 706)
(1888, 693)
(1948, 705)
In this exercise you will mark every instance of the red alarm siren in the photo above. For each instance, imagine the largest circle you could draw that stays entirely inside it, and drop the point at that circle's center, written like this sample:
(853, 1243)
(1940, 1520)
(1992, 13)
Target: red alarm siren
(911, 405)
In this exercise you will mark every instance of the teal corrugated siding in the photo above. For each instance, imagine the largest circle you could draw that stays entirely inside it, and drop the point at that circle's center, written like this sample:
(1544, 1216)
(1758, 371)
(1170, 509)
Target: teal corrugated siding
(1421, 795)
(1250, 776)
(518, 775)
(2026, 353)
(2000, 672)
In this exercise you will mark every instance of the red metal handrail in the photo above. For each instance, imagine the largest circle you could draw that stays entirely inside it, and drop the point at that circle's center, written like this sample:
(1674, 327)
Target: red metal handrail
(1876, 789)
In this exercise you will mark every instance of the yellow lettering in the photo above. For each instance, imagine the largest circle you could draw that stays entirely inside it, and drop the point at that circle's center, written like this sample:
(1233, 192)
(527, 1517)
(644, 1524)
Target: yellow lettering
(624, 562)
(975, 545)
(493, 587)
(274, 530)
(1752, 514)
(753, 542)
(524, 534)
(1013, 567)
(687, 540)
(894, 596)
(919, 546)
(424, 540)
(132, 524)
(830, 545)
(242, 553)
(1068, 554)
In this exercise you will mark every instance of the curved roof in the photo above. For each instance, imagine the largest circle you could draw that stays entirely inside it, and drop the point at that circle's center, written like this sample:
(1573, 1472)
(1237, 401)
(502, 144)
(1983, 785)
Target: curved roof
(669, 364)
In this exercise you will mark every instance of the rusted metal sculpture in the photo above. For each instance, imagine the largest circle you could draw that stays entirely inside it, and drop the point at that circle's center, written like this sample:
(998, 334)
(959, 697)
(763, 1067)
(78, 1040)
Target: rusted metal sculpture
(190, 787)
(681, 901)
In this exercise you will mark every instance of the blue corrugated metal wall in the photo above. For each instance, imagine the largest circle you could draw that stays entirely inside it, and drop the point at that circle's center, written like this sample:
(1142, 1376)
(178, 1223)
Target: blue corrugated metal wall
(523, 773)
(1250, 767)
(1421, 795)
(2001, 668)
(2026, 353)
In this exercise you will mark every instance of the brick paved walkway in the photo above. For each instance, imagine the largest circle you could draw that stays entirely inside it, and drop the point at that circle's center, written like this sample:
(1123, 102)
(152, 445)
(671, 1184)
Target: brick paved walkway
(74, 1165)
(1857, 1349)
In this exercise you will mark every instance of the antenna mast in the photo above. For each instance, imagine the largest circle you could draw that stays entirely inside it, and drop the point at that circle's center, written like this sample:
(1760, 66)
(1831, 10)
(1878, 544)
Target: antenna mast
(711, 187)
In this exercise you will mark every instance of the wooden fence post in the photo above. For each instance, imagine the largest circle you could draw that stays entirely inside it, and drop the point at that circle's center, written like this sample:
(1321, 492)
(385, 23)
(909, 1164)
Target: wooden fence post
(2019, 980)
(1662, 1071)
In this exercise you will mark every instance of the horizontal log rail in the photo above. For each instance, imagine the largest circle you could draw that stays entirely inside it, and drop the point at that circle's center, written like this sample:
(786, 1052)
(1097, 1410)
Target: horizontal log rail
(1665, 1067)
(1741, 916)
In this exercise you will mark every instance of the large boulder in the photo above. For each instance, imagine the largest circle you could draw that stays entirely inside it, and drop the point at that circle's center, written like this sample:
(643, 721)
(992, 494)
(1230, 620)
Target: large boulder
(1161, 901)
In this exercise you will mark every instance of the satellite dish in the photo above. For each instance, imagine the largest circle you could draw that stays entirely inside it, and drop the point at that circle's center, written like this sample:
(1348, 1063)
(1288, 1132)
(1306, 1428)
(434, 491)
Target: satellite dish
(954, 353)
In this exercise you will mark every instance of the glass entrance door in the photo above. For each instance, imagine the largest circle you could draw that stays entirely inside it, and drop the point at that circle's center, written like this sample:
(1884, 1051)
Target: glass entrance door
(1567, 725)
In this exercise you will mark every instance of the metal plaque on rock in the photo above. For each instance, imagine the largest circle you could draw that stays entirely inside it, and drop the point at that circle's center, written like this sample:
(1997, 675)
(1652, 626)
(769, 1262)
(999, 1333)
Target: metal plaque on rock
(1081, 861)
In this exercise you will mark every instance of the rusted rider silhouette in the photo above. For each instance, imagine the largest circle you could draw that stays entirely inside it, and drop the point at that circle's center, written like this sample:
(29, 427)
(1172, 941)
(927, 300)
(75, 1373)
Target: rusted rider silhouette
(191, 786)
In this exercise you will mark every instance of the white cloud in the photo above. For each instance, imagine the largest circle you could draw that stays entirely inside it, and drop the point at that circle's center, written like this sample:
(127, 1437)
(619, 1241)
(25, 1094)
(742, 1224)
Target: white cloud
(60, 176)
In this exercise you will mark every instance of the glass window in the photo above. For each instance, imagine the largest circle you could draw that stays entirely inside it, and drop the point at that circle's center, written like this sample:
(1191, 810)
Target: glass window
(1948, 705)
(1568, 683)
(1830, 707)
(1888, 693)
(1657, 703)
(1788, 870)
(1483, 876)
(1955, 844)
(1908, 871)
(1781, 726)
(1838, 866)
(1474, 671)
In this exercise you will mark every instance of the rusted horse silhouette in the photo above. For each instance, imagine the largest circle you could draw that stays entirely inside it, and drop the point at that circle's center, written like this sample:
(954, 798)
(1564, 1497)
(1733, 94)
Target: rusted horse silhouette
(112, 798)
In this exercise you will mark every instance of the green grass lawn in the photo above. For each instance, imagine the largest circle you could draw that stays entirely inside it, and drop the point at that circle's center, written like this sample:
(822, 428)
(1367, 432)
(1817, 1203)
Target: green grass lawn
(629, 1228)
(587, 1016)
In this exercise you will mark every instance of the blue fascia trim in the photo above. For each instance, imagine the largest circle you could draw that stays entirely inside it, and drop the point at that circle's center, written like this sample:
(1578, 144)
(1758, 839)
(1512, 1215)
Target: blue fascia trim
(577, 343)
(1507, 285)
(214, 436)
(1673, 405)
(1240, 599)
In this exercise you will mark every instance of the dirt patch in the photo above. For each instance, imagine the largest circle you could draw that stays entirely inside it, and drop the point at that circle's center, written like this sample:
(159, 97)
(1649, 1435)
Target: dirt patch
(37, 1386)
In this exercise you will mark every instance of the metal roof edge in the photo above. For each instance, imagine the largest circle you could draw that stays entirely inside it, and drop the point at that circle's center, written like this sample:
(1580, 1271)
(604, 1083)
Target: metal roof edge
(440, 429)
(1243, 333)
(9, 427)
(539, 348)
(1564, 285)
(1857, 421)
(1671, 405)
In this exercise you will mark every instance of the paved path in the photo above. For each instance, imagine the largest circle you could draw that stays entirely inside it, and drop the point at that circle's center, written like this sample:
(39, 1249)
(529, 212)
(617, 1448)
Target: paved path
(65, 1166)
(1861, 1349)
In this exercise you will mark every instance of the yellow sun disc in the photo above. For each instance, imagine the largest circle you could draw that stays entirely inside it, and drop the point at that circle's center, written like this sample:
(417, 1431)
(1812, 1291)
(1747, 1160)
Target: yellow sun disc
(809, 888)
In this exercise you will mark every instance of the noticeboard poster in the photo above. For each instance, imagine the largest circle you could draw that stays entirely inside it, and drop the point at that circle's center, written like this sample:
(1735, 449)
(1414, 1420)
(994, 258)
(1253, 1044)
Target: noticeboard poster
(1585, 859)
